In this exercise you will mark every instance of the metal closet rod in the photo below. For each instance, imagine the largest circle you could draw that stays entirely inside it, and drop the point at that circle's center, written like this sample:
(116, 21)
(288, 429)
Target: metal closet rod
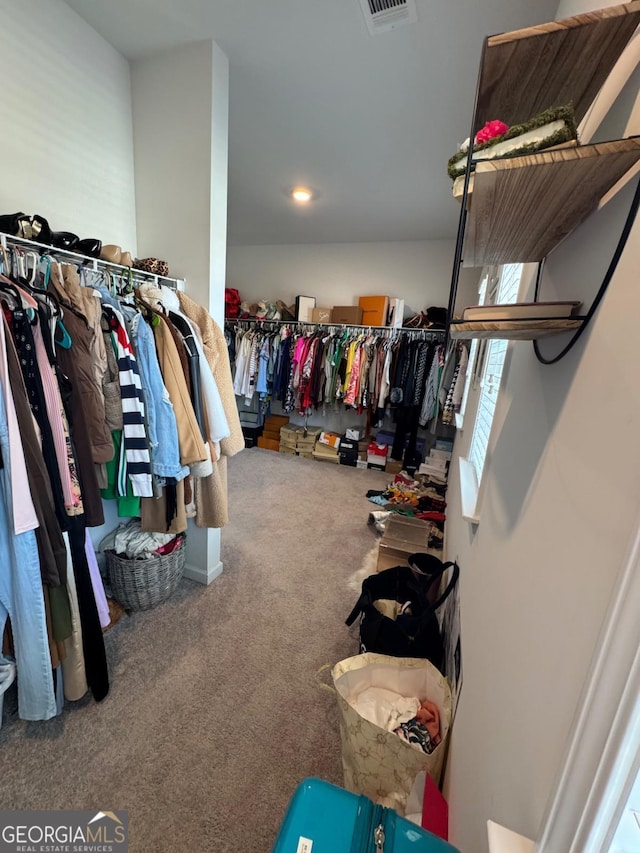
(96, 264)
(388, 329)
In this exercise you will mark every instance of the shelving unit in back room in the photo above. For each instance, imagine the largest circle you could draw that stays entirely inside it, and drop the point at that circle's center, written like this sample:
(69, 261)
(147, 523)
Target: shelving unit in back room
(517, 209)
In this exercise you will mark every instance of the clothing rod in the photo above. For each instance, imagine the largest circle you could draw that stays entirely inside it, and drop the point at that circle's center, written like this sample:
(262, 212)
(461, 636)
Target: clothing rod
(96, 264)
(262, 323)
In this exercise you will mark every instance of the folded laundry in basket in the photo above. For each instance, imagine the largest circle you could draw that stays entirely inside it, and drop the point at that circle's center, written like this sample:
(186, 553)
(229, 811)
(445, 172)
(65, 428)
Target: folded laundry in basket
(130, 540)
(385, 708)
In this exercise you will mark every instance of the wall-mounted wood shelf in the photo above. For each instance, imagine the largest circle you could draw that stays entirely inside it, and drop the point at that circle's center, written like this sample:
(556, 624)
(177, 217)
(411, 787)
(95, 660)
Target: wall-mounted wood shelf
(512, 330)
(518, 209)
(522, 207)
(525, 72)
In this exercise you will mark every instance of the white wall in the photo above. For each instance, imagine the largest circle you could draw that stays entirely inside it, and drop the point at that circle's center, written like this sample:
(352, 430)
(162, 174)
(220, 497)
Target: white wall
(180, 107)
(66, 147)
(562, 495)
(338, 273)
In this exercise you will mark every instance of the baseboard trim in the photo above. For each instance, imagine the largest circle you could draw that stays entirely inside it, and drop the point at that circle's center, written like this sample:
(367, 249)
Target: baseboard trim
(203, 574)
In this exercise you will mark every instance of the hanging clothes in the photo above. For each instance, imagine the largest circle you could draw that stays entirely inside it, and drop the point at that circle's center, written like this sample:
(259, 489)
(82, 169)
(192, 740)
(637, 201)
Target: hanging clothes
(315, 368)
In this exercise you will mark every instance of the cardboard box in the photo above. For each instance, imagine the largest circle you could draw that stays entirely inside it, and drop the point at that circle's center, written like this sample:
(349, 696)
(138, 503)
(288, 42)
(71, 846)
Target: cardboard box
(289, 435)
(276, 421)
(268, 444)
(332, 439)
(325, 457)
(394, 466)
(349, 444)
(321, 315)
(355, 433)
(350, 454)
(375, 467)
(348, 460)
(384, 436)
(402, 537)
(440, 454)
(349, 315)
(435, 462)
(361, 463)
(374, 310)
(436, 473)
(273, 435)
(375, 449)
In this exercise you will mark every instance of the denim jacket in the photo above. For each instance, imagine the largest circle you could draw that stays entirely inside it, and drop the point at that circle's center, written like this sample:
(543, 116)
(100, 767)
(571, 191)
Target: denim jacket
(165, 454)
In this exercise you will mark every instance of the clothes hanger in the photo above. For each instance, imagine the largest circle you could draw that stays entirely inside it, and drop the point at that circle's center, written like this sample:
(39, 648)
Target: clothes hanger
(61, 337)
(6, 264)
(36, 259)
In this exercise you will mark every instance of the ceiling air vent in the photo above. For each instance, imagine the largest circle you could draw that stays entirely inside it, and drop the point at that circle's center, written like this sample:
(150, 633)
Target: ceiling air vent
(384, 15)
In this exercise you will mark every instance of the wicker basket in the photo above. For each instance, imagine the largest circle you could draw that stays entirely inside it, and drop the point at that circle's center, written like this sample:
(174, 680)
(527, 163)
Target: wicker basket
(141, 584)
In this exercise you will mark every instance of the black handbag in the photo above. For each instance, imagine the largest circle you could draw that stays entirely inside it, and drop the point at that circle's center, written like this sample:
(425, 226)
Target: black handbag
(412, 630)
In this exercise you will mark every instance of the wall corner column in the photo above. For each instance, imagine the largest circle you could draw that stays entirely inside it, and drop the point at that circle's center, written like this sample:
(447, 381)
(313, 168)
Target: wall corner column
(180, 128)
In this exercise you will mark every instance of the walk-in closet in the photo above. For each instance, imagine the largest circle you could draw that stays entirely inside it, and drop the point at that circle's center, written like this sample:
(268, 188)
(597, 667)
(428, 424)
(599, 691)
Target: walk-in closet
(319, 507)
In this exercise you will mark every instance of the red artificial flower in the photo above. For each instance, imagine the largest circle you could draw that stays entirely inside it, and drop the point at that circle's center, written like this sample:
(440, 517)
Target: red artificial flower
(490, 131)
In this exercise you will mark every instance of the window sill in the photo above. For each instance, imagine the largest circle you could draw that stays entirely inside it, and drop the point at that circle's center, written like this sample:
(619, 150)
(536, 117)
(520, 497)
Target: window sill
(469, 492)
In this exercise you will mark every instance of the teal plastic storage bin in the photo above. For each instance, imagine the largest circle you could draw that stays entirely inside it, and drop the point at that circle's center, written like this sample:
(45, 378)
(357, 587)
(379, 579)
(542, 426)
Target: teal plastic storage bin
(322, 818)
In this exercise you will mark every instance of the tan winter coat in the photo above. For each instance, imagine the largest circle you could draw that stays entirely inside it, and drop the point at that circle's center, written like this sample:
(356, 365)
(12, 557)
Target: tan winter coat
(211, 492)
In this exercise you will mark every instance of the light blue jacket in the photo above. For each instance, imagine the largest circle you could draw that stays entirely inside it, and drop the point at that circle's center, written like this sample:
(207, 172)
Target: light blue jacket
(161, 419)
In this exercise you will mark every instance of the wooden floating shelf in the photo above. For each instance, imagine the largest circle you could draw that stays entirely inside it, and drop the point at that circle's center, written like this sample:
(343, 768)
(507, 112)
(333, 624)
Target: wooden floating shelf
(561, 62)
(512, 330)
(522, 207)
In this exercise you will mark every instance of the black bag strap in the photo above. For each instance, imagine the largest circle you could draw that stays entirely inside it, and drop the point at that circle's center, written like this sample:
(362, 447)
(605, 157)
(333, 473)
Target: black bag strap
(357, 610)
(450, 587)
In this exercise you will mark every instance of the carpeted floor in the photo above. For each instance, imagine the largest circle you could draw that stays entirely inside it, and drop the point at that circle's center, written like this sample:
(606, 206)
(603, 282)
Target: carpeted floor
(214, 713)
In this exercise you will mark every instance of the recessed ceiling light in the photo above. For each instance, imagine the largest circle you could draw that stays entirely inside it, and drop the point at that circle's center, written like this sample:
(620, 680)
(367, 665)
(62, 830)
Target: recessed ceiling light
(301, 194)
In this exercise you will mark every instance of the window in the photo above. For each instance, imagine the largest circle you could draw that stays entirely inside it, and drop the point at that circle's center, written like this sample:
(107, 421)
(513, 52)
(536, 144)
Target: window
(501, 289)
(473, 356)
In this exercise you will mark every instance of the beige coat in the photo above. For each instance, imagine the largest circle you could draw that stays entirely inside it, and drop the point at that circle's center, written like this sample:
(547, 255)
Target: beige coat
(192, 447)
(211, 492)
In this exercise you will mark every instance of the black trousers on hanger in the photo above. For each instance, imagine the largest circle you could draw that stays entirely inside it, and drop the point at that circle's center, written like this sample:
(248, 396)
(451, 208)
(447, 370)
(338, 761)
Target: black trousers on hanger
(406, 430)
(95, 658)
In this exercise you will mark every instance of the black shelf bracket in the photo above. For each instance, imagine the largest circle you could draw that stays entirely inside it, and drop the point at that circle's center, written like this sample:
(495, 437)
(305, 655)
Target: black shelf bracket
(622, 242)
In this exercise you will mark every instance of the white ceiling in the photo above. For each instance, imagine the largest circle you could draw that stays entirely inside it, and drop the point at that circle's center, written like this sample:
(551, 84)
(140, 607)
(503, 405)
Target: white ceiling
(367, 122)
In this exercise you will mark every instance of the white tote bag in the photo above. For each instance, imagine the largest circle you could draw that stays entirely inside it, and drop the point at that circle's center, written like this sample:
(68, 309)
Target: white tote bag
(376, 762)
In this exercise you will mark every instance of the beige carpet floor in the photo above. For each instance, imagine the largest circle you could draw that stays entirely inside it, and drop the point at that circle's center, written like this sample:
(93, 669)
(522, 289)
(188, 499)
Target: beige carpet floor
(214, 713)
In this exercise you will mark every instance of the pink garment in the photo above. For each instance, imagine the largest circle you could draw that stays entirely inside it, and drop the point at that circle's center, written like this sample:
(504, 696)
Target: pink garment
(54, 414)
(354, 378)
(296, 365)
(429, 715)
(24, 514)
